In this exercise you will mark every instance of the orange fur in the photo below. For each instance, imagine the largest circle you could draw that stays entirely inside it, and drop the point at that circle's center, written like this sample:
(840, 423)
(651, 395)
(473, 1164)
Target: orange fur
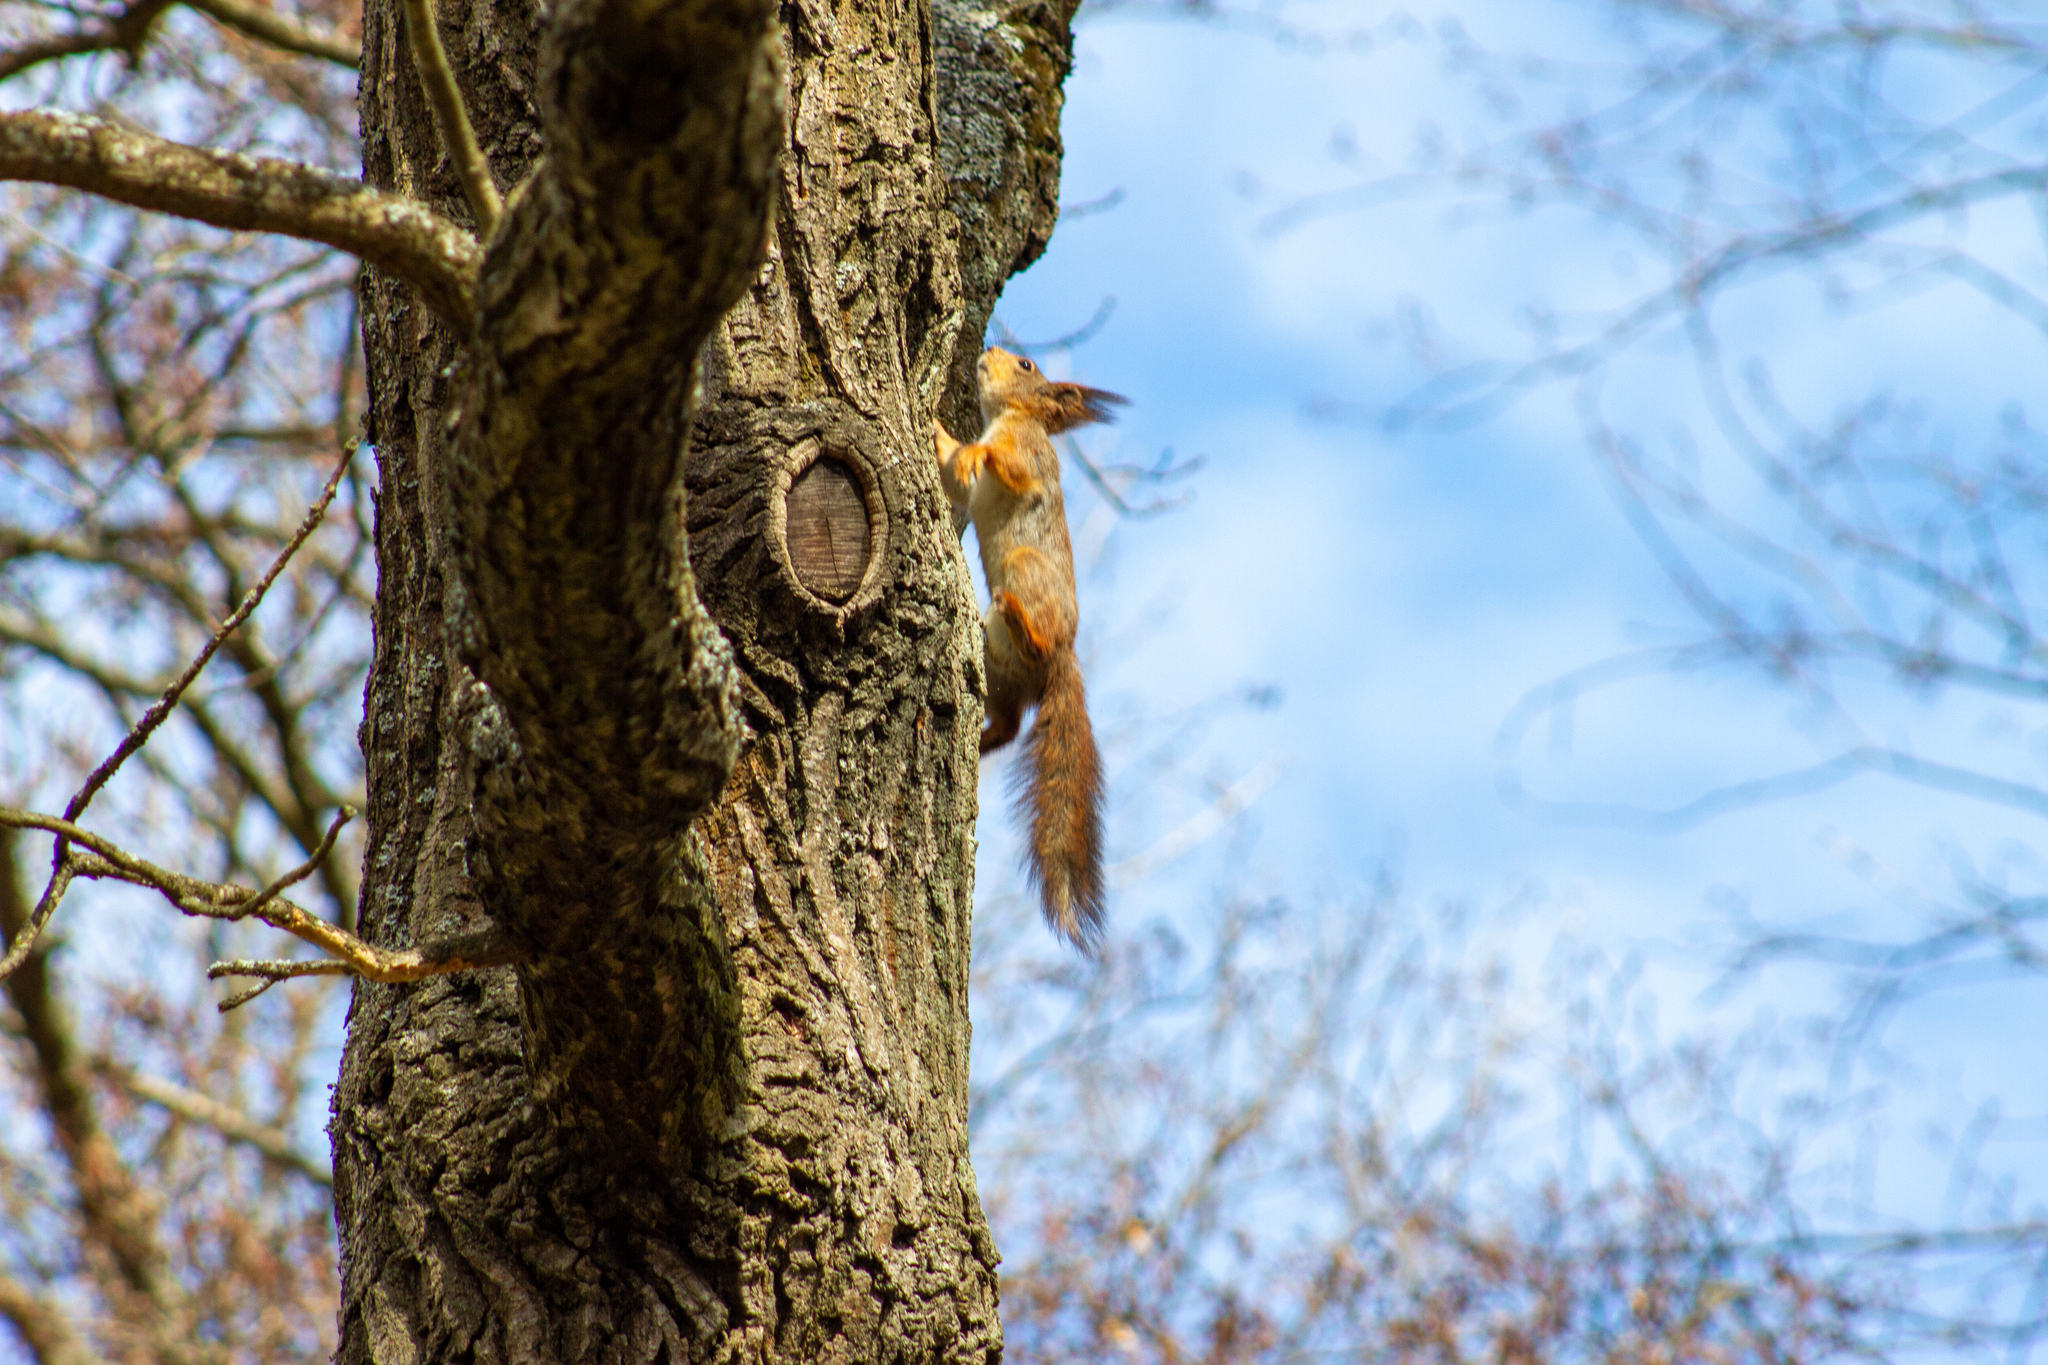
(1020, 521)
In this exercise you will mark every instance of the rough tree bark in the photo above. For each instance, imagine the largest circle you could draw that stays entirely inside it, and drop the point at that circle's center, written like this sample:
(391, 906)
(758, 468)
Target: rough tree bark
(721, 801)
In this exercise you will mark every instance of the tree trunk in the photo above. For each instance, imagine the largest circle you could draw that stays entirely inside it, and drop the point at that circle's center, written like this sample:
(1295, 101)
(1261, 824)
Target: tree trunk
(718, 802)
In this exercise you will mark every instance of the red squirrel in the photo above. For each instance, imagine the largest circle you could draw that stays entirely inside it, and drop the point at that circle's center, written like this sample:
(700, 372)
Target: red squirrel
(1008, 482)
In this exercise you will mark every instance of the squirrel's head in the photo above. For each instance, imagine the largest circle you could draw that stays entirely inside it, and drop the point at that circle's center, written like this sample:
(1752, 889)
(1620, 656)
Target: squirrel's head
(1012, 383)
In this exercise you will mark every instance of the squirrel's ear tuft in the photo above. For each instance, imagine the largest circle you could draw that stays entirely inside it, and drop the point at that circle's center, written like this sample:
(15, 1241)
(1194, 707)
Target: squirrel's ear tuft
(1076, 405)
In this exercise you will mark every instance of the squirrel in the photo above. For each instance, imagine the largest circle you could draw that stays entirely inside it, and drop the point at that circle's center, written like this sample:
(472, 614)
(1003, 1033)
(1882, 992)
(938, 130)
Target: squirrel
(1008, 483)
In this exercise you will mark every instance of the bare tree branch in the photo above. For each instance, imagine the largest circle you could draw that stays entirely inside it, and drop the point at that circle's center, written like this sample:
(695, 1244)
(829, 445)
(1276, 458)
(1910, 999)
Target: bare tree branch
(130, 30)
(225, 1119)
(125, 32)
(279, 30)
(115, 1212)
(63, 868)
(1115, 482)
(43, 1326)
(53, 49)
(457, 135)
(101, 858)
(251, 194)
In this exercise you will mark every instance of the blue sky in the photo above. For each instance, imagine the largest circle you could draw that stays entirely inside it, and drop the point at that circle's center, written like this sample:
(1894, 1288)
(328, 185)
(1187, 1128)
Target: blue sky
(1403, 590)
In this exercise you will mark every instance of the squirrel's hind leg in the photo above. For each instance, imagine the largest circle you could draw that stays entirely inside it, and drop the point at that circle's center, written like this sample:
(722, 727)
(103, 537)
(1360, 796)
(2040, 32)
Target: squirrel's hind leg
(1001, 729)
(1037, 604)
(1008, 692)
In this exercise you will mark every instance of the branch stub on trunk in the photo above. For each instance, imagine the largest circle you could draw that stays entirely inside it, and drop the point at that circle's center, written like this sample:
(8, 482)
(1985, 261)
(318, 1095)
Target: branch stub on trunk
(826, 519)
(829, 525)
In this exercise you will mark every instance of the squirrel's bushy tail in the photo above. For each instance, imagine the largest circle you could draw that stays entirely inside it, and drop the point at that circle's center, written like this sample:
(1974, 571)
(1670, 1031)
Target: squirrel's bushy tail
(1062, 795)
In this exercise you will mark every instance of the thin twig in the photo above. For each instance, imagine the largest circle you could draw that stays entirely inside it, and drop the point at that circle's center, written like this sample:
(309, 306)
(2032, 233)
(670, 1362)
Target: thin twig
(98, 857)
(158, 713)
(1106, 479)
(271, 972)
(1101, 204)
(456, 132)
(1067, 341)
(1203, 825)
(305, 869)
(62, 865)
(25, 941)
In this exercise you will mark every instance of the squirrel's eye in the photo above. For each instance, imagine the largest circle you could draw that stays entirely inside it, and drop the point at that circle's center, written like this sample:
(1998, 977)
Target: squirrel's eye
(1026, 364)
